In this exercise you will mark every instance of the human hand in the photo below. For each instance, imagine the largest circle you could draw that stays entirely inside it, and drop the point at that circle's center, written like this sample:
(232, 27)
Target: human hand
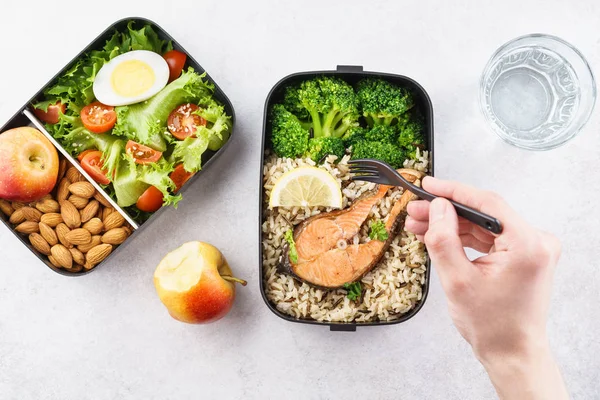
(499, 301)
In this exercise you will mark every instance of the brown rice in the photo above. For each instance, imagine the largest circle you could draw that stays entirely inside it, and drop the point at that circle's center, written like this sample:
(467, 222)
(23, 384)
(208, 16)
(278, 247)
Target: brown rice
(392, 288)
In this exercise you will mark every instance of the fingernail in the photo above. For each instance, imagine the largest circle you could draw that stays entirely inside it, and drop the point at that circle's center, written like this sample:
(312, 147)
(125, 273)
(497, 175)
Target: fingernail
(437, 210)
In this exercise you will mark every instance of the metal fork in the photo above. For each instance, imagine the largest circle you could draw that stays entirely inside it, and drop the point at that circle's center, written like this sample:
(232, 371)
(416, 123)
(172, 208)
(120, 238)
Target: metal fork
(380, 172)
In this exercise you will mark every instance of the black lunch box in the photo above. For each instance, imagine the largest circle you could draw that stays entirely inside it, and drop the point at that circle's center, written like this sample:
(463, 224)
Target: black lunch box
(24, 117)
(351, 74)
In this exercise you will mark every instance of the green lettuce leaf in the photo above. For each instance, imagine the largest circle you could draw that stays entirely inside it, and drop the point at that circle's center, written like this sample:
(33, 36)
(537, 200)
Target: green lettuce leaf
(75, 86)
(145, 39)
(190, 150)
(157, 175)
(218, 124)
(128, 188)
(144, 122)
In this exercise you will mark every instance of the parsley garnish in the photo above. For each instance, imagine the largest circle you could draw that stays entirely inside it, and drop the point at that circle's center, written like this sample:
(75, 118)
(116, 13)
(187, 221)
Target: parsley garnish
(378, 231)
(289, 237)
(354, 290)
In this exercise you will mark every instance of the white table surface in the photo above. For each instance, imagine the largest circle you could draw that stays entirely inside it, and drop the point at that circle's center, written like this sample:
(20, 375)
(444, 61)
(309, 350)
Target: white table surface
(107, 336)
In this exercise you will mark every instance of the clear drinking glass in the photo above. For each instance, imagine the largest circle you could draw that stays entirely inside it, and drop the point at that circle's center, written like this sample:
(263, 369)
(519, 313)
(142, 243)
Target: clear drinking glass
(537, 92)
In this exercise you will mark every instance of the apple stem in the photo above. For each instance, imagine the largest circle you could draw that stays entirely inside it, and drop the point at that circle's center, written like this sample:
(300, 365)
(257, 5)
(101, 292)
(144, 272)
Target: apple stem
(234, 279)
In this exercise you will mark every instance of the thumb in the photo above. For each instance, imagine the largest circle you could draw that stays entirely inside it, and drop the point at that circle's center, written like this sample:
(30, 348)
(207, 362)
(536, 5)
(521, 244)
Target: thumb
(443, 240)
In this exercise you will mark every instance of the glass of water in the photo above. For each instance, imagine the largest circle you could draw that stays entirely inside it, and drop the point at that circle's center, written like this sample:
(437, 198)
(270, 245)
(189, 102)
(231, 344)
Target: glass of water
(537, 92)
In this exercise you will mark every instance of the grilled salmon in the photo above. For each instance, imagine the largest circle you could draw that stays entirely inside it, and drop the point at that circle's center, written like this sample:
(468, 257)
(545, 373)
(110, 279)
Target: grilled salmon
(321, 263)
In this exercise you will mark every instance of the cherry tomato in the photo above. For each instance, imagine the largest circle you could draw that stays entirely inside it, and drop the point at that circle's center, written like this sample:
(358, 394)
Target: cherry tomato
(83, 153)
(180, 176)
(176, 60)
(98, 118)
(142, 154)
(182, 121)
(151, 200)
(92, 164)
(53, 114)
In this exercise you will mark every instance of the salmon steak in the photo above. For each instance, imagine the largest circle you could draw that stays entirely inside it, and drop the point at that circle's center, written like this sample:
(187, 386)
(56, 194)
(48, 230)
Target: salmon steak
(322, 262)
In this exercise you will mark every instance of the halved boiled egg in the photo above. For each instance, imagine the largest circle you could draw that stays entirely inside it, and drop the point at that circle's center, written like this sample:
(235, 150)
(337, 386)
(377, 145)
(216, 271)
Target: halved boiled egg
(130, 78)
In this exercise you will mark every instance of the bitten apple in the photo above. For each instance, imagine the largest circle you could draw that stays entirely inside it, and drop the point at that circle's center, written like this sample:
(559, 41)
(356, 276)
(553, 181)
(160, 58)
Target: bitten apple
(28, 165)
(195, 283)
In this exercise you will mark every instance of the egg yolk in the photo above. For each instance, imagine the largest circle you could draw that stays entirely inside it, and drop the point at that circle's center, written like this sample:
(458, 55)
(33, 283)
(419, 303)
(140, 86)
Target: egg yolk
(132, 78)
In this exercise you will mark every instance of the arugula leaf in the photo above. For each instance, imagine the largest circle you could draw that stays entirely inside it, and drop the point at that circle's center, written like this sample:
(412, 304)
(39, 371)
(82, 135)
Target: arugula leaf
(378, 231)
(354, 290)
(293, 253)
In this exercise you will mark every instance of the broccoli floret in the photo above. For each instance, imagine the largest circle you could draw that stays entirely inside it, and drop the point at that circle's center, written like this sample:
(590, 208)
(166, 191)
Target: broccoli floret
(383, 103)
(291, 101)
(327, 104)
(411, 133)
(382, 133)
(288, 137)
(386, 152)
(318, 148)
(353, 135)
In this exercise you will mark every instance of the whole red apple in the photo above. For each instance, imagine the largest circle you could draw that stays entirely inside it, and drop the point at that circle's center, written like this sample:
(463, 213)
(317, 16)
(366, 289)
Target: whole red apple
(28, 165)
(195, 283)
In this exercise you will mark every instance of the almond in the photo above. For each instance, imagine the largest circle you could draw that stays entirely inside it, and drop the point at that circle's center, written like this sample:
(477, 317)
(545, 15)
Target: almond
(17, 217)
(28, 227)
(61, 233)
(62, 169)
(78, 201)
(127, 229)
(31, 214)
(99, 213)
(53, 261)
(6, 208)
(48, 234)
(113, 220)
(46, 197)
(17, 204)
(76, 268)
(79, 236)
(82, 189)
(94, 226)
(106, 212)
(62, 192)
(90, 211)
(39, 243)
(97, 254)
(101, 199)
(47, 206)
(114, 236)
(52, 219)
(73, 175)
(96, 240)
(78, 256)
(62, 255)
(70, 214)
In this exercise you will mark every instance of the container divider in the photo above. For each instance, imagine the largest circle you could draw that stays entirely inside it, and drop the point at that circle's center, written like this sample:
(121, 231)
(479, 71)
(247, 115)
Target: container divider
(76, 164)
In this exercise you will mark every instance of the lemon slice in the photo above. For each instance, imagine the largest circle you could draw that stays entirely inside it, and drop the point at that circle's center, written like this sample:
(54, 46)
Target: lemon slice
(306, 187)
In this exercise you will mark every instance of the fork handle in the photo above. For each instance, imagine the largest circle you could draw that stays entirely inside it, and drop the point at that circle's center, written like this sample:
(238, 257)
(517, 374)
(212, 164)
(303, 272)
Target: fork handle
(485, 221)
